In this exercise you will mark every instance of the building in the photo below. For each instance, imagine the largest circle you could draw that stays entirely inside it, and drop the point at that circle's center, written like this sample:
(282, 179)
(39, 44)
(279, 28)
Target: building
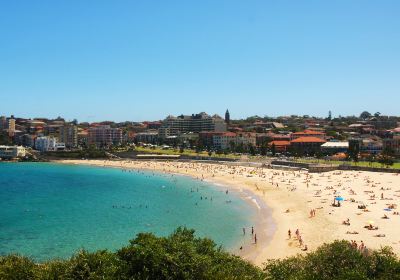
(223, 140)
(46, 143)
(26, 140)
(152, 125)
(306, 145)
(52, 129)
(60, 146)
(9, 152)
(69, 135)
(188, 139)
(246, 139)
(149, 137)
(83, 138)
(11, 126)
(334, 147)
(308, 133)
(3, 123)
(227, 140)
(263, 138)
(206, 139)
(104, 136)
(371, 146)
(173, 126)
(280, 146)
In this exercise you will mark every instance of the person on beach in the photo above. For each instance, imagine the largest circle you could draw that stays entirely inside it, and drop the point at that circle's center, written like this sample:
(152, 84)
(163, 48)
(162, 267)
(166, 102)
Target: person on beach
(244, 231)
(252, 230)
(289, 234)
(255, 238)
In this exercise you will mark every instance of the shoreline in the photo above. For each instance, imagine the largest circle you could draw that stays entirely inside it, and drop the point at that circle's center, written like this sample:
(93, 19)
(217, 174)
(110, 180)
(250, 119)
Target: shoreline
(269, 230)
(262, 219)
(291, 195)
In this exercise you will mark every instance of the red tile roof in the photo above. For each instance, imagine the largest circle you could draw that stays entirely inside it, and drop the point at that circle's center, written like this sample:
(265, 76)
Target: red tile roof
(279, 143)
(309, 139)
(310, 132)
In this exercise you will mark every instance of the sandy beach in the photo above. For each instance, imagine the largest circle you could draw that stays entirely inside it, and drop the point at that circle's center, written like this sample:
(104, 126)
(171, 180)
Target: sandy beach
(369, 200)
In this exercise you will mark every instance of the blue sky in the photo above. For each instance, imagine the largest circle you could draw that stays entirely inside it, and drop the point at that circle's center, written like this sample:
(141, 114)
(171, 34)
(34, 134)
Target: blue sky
(142, 60)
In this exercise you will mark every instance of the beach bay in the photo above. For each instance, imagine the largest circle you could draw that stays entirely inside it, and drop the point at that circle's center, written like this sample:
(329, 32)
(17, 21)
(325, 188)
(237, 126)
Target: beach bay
(51, 210)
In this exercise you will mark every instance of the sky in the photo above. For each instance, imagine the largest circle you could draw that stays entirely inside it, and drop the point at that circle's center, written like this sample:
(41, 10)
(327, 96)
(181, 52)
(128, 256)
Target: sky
(143, 60)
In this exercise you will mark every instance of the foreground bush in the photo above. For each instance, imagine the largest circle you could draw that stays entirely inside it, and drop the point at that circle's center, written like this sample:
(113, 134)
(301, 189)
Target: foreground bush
(336, 261)
(183, 256)
(178, 256)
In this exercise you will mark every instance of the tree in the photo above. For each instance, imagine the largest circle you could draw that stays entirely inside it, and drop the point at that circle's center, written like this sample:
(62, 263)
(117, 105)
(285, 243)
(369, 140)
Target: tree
(232, 146)
(182, 255)
(5, 139)
(338, 260)
(273, 149)
(252, 150)
(263, 149)
(386, 157)
(354, 150)
(365, 115)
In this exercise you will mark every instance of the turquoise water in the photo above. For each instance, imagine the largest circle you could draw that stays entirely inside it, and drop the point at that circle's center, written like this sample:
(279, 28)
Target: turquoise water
(52, 210)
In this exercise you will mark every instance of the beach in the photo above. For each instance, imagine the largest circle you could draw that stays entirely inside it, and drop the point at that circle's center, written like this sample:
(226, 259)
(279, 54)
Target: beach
(298, 200)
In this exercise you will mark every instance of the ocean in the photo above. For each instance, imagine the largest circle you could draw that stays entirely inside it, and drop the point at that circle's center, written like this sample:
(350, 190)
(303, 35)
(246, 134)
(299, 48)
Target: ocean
(52, 210)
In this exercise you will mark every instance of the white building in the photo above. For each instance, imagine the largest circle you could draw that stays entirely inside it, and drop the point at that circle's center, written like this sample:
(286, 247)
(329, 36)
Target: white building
(46, 143)
(246, 139)
(7, 152)
(222, 141)
(334, 147)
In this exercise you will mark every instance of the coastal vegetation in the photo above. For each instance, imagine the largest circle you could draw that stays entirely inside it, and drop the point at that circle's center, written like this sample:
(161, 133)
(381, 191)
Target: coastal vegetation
(186, 152)
(88, 153)
(375, 164)
(182, 255)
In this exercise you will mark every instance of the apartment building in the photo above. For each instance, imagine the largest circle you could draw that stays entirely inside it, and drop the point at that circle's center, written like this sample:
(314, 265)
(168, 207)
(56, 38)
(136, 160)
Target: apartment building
(173, 126)
(223, 140)
(104, 136)
(46, 143)
(69, 135)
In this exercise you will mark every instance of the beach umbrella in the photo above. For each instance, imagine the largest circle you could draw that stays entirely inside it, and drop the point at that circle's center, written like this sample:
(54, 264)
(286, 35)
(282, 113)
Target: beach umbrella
(370, 222)
(339, 198)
